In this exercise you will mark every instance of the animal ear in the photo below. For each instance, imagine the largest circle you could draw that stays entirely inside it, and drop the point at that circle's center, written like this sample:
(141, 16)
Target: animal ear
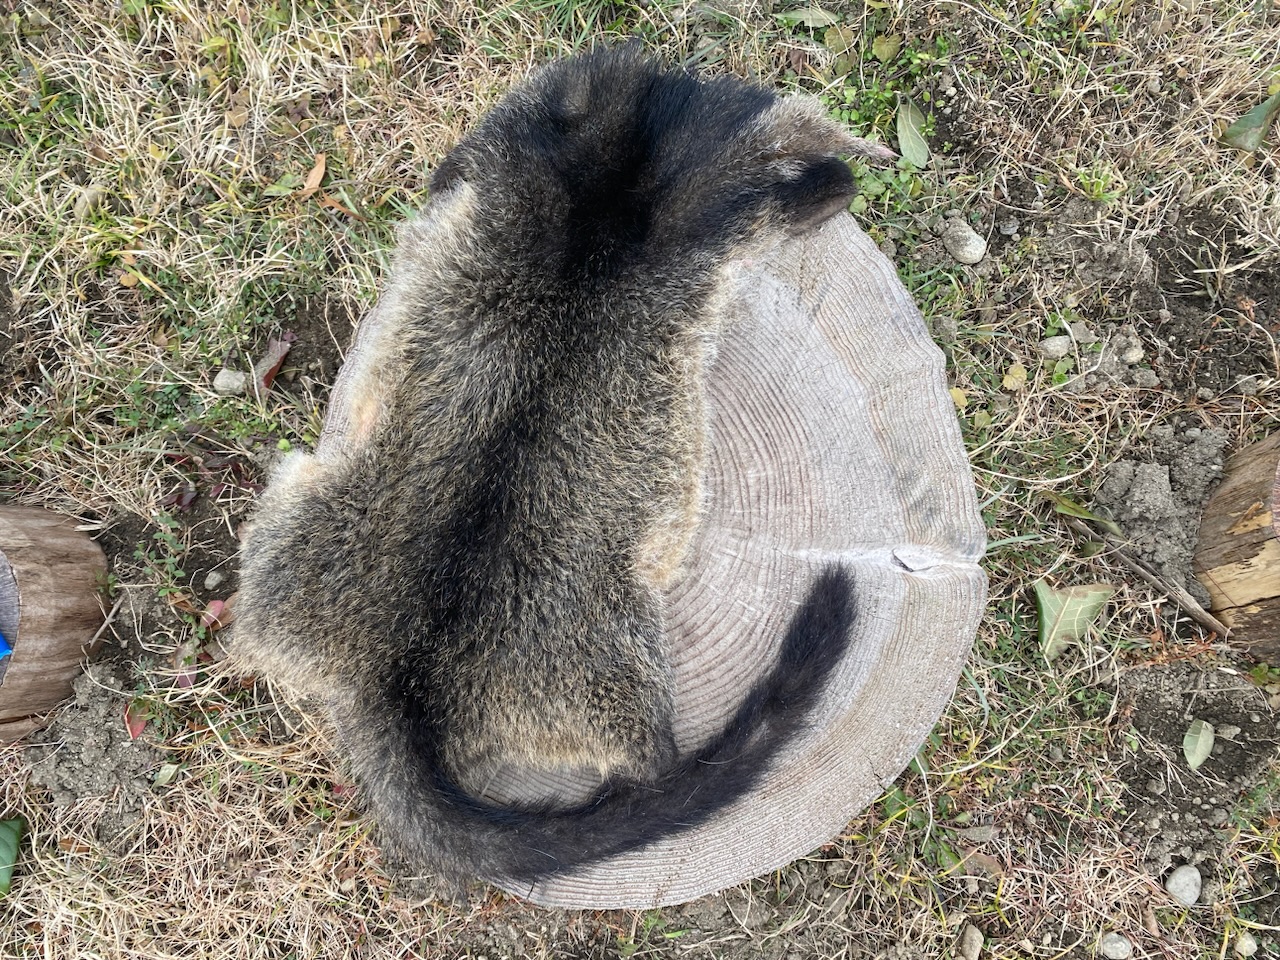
(802, 146)
(823, 187)
(798, 125)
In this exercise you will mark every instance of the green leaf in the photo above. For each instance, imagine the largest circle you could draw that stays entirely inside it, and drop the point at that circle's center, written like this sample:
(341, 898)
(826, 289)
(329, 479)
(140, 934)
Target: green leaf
(885, 47)
(840, 40)
(164, 776)
(10, 835)
(1070, 508)
(1198, 743)
(809, 17)
(911, 142)
(1065, 615)
(284, 186)
(1247, 132)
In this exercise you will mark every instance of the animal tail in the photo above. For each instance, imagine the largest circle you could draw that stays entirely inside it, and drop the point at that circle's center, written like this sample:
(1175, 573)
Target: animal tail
(429, 822)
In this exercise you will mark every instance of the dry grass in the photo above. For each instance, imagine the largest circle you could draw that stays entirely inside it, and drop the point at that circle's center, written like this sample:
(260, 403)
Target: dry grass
(152, 228)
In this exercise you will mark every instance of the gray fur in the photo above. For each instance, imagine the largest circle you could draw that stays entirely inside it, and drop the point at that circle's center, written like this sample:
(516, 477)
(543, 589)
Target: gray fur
(476, 583)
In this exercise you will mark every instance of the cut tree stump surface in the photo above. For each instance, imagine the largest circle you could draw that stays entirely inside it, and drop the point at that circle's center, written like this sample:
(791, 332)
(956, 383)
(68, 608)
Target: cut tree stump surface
(832, 438)
(1238, 551)
(50, 577)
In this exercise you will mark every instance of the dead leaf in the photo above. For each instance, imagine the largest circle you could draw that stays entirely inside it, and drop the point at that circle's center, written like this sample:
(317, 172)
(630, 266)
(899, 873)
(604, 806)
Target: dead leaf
(1015, 378)
(981, 861)
(959, 398)
(265, 370)
(218, 614)
(328, 201)
(135, 719)
(312, 183)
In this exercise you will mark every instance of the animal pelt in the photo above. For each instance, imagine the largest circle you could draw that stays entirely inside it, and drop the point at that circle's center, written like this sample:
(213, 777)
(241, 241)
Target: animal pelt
(475, 582)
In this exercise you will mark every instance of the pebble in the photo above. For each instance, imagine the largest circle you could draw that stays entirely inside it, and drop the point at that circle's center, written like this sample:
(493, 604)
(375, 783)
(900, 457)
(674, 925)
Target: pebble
(1115, 946)
(970, 942)
(1132, 355)
(212, 579)
(230, 383)
(1246, 944)
(1226, 731)
(1055, 348)
(963, 242)
(1081, 333)
(1184, 884)
(1056, 754)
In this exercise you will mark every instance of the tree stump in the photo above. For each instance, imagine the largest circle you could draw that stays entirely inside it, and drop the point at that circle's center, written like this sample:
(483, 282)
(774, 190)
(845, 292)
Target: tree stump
(50, 577)
(831, 437)
(1238, 554)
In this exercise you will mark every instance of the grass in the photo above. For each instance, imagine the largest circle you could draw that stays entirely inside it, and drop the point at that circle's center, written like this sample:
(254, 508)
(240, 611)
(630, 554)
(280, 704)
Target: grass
(154, 228)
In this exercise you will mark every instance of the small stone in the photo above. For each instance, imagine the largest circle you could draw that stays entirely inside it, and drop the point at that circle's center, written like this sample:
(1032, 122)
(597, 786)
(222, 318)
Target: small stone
(1056, 754)
(963, 242)
(1156, 788)
(230, 383)
(970, 942)
(1081, 333)
(212, 579)
(1184, 885)
(1055, 348)
(1145, 379)
(1204, 393)
(1010, 227)
(1226, 731)
(1246, 944)
(1132, 355)
(1115, 946)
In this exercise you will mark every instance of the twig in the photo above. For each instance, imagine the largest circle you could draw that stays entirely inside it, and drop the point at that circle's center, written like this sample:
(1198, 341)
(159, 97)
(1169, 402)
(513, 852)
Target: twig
(115, 608)
(1179, 596)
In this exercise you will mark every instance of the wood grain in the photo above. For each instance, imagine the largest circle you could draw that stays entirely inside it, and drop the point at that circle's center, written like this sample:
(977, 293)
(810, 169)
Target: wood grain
(1238, 552)
(50, 575)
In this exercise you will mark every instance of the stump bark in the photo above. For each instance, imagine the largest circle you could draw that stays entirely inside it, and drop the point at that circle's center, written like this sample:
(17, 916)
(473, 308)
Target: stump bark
(50, 577)
(1238, 554)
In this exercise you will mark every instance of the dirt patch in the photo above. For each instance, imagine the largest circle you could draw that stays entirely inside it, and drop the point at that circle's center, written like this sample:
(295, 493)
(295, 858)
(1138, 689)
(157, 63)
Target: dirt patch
(1214, 332)
(1177, 815)
(1157, 493)
(318, 331)
(87, 752)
